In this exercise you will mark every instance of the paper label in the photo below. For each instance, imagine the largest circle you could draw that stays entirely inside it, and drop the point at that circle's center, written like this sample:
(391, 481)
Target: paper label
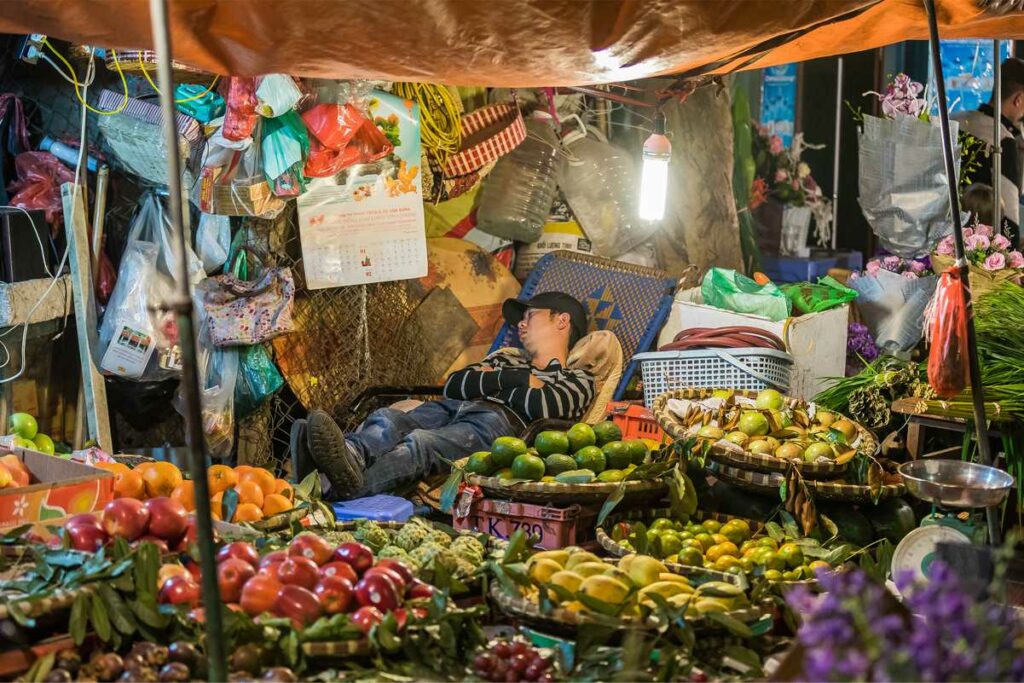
(128, 353)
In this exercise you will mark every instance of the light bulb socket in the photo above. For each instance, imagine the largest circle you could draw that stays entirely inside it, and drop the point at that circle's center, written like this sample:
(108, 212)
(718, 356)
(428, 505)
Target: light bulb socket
(659, 123)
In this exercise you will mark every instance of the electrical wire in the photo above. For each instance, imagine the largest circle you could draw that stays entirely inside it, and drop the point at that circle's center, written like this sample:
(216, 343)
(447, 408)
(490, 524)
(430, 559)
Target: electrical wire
(79, 88)
(149, 79)
(440, 117)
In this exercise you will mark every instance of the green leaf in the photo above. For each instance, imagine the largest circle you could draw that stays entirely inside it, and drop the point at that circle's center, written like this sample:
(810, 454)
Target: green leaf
(79, 620)
(783, 490)
(830, 526)
(450, 490)
(307, 487)
(516, 548)
(518, 572)
(775, 532)
(563, 593)
(148, 613)
(746, 657)
(40, 668)
(730, 622)
(228, 504)
(599, 606)
(613, 499)
(98, 616)
(789, 524)
(120, 615)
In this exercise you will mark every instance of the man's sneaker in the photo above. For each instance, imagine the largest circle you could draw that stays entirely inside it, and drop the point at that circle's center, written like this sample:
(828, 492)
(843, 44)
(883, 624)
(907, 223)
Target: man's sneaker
(333, 456)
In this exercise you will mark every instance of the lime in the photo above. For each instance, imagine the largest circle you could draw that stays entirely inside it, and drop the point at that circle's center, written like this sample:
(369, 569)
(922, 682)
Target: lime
(768, 542)
(480, 463)
(616, 454)
(670, 544)
(691, 557)
(693, 543)
(773, 561)
(747, 564)
(580, 435)
(590, 458)
(720, 538)
(637, 451)
(773, 575)
(705, 540)
(611, 476)
(791, 554)
(793, 575)
(712, 526)
(818, 564)
(558, 463)
(24, 425)
(607, 431)
(725, 563)
(527, 466)
(505, 473)
(505, 449)
(551, 442)
(661, 523)
(685, 535)
(44, 444)
(735, 534)
(548, 480)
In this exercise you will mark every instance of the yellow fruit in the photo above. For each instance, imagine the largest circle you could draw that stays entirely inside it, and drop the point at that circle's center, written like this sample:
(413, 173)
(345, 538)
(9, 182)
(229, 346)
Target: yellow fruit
(574, 606)
(645, 570)
(247, 512)
(682, 599)
(605, 589)
(668, 576)
(220, 478)
(721, 550)
(705, 605)
(542, 570)
(275, 504)
(590, 568)
(665, 589)
(568, 580)
(580, 557)
(558, 556)
(617, 573)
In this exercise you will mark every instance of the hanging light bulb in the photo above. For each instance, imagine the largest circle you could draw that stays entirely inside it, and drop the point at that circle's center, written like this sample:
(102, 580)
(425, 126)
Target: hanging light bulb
(654, 177)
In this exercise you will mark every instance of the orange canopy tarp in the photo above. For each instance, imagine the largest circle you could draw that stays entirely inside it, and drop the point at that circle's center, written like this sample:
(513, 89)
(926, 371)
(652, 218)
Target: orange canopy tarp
(501, 42)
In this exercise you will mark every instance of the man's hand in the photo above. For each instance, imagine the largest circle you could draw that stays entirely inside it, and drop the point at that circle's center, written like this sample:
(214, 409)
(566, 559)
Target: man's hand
(535, 382)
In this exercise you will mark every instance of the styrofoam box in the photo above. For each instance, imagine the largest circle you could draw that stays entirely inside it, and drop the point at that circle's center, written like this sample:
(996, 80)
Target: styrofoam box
(816, 341)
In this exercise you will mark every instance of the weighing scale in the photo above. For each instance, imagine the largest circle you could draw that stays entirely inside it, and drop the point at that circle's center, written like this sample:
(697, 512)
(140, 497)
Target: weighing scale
(948, 484)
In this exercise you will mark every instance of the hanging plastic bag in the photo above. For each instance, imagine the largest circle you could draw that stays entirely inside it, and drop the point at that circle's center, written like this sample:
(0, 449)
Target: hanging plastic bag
(948, 372)
(285, 145)
(40, 175)
(258, 379)
(240, 117)
(807, 298)
(277, 94)
(218, 376)
(728, 290)
(341, 136)
(234, 183)
(213, 239)
(106, 278)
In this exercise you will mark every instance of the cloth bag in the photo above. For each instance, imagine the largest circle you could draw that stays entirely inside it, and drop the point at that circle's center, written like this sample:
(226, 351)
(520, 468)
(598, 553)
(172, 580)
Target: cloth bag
(245, 312)
(726, 289)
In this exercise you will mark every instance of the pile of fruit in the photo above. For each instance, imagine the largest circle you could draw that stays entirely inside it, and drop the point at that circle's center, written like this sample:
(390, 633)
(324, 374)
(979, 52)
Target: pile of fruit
(24, 433)
(581, 582)
(766, 426)
(727, 547)
(512, 661)
(255, 493)
(162, 521)
(418, 545)
(581, 455)
(309, 579)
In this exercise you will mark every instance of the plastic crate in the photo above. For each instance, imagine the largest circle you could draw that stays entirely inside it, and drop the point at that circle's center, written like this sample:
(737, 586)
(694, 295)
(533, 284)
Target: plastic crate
(555, 527)
(636, 421)
(379, 508)
(753, 369)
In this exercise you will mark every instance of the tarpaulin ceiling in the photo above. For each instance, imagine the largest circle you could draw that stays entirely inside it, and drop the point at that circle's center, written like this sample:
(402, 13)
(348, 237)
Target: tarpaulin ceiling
(502, 42)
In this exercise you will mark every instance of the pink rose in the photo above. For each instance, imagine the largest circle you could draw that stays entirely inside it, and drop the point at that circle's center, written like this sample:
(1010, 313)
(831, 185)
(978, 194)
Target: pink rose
(909, 275)
(781, 175)
(873, 267)
(854, 276)
(1015, 260)
(891, 263)
(775, 146)
(1000, 243)
(917, 267)
(945, 247)
(967, 232)
(977, 242)
(995, 262)
(985, 230)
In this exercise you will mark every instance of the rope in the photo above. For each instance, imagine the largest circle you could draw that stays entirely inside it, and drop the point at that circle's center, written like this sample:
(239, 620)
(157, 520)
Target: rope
(440, 121)
(724, 338)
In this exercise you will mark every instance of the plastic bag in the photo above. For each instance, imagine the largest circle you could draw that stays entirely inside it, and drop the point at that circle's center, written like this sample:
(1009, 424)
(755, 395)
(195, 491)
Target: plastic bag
(948, 372)
(807, 298)
(213, 239)
(106, 278)
(40, 175)
(727, 289)
(218, 375)
(258, 379)
(276, 94)
(202, 107)
(341, 136)
(893, 308)
(240, 117)
(284, 146)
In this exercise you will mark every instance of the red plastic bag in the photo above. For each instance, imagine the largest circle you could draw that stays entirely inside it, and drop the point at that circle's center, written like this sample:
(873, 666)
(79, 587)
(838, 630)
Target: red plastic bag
(948, 372)
(40, 175)
(240, 117)
(106, 278)
(341, 136)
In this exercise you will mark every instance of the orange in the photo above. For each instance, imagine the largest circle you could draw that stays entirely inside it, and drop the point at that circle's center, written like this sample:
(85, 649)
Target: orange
(185, 493)
(5, 477)
(242, 469)
(129, 485)
(115, 467)
(247, 512)
(275, 503)
(264, 478)
(161, 479)
(221, 478)
(216, 500)
(285, 489)
(250, 492)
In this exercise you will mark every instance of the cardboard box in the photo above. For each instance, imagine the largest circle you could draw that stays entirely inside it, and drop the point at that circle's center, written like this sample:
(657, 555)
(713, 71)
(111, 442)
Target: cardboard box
(61, 488)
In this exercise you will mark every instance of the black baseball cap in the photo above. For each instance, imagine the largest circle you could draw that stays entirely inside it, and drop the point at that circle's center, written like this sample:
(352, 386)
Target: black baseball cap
(513, 311)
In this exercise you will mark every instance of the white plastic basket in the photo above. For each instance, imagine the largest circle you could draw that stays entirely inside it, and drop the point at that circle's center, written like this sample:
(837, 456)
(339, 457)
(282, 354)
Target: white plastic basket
(754, 369)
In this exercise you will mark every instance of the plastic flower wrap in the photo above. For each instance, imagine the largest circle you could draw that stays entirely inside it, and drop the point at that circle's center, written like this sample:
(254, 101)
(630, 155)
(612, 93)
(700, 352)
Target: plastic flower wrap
(893, 293)
(857, 631)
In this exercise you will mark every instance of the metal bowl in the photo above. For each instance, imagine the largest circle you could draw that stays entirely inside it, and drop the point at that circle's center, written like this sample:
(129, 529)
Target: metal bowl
(955, 483)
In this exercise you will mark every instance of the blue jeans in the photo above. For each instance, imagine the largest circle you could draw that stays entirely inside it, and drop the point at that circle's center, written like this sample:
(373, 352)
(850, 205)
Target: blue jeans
(400, 448)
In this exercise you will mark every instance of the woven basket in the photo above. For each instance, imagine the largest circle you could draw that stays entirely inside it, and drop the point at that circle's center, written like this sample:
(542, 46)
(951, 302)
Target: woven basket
(134, 62)
(768, 483)
(753, 461)
(337, 649)
(59, 600)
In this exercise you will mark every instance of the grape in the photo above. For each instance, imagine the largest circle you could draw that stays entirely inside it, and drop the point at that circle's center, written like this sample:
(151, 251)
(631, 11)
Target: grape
(503, 650)
(532, 673)
(511, 677)
(520, 648)
(483, 662)
(520, 662)
(541, 663)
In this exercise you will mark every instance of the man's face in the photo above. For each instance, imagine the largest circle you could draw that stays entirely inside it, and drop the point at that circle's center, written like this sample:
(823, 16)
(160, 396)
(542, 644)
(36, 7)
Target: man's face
(540, 326)
(1013, 107)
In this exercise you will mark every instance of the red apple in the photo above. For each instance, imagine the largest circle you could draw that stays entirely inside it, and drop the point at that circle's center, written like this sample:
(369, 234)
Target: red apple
(298, 604)
(232, 574)
(395, 577)
(401, 616)
(311, 546)
(168, 518)
(87, 519)
(259, 594)
(335, 594)
(87, 538)
(241, 550)
(342, 569)
(377, 591)
(191, 535)
(399, 567)
(298, 571)
(366, 618)
(179, 590)
(125, 518)
(160, 543)
(193, 568)
(356, 554)
(272, 558)
(419, 589)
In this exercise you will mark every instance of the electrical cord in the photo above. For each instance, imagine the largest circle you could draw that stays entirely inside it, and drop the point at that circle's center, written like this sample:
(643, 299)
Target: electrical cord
(149, 79)
(440, 118)
(80, 88)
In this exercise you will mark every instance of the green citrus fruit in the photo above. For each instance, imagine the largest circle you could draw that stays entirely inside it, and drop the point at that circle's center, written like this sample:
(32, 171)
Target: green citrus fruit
(23, 425)
(768, 542)
(480, 463)
(712, 526)
(607, 431)
(691, 557)
(791, 555)
(527, 466)
(670, 544)
(580, 435)
(551, 442)
(611, 476)
(705, 540)
(661, 523)
(557, 463)
(44, 444)
(637, 451)
(773, 575)
(616, 454)
(505, 449)
(505, 473)
(591, 458)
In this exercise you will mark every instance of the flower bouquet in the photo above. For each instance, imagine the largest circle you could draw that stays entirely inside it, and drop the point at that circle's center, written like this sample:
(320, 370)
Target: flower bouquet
(991, 258)
(893, 295)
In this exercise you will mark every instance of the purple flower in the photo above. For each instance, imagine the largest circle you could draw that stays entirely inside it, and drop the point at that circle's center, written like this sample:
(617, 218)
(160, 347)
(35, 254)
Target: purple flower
(918, 267)
(892, 263)
(945, 247)
(995, 262)
(909, 275)
(874, 265)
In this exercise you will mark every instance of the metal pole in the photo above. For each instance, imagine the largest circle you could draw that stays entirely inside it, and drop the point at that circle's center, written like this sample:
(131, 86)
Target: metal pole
(835, 156)
(977, 391)
(997, 142)
(182, 306)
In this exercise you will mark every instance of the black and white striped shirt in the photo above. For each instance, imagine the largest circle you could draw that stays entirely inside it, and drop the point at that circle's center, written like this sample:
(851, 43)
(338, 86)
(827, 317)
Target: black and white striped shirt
(505, 378)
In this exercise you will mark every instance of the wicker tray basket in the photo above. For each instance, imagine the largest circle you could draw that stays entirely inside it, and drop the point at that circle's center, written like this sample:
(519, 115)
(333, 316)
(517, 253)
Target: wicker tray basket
(753, 461)
(768, 483)
(337, 649)
(546, 493)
